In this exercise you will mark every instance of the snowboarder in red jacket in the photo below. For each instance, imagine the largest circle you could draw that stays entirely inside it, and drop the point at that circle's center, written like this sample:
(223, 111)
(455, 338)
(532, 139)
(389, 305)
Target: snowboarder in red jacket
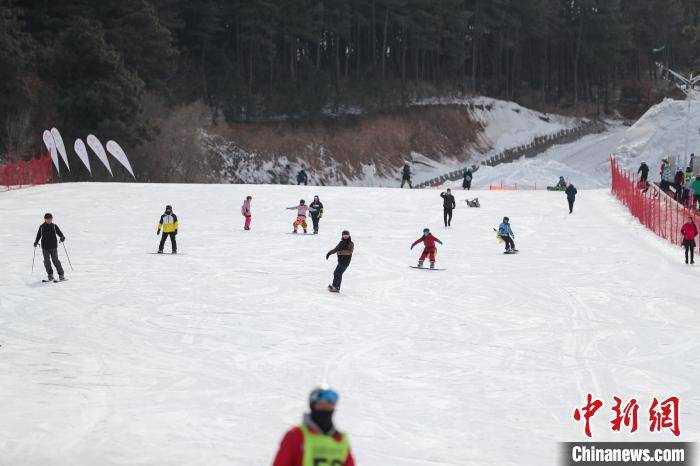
(689, 232)
(429, 249)
(316, 441)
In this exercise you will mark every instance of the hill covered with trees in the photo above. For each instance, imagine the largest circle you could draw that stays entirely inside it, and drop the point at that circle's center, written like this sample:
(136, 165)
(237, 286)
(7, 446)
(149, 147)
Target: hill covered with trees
(129, 68)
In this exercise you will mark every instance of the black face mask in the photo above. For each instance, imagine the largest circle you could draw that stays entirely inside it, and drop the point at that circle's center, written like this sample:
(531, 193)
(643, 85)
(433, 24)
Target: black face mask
(323, 419)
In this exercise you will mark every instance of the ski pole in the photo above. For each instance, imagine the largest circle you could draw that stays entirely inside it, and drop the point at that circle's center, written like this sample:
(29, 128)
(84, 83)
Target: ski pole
(33, 257)
(67, 256)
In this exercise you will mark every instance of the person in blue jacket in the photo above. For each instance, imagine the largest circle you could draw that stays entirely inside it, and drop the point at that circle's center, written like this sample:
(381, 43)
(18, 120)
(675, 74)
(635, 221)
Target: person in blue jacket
(506, 234)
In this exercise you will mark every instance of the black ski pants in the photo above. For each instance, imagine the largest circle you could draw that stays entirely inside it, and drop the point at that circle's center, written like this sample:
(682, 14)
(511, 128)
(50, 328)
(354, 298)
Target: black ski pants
(173, 242)
(343, 264)
(49, 256)
(447, 214)
(689, 245)
(315, 219)
(510, 244)
(571, 203)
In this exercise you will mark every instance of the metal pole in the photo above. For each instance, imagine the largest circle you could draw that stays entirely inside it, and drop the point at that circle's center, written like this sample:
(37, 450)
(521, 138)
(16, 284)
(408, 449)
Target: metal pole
(67, 257)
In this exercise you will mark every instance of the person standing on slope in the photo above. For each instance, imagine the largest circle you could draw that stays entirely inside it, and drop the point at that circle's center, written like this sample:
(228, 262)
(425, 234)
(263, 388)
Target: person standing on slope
(696, 192)
(245, 211)
(687, 186)
(316, 212)
(301, 209)
(344, 250)
(48, 231)
(406, 175)
(316, 442)
(467, 181)
(561, 183)
(507, 235)
(571, 196)
(679, 184)
(302, 177)
(429, 248)
(689, 231)
(666, 176)
(448, 204)
(643, 173)
(168, 223)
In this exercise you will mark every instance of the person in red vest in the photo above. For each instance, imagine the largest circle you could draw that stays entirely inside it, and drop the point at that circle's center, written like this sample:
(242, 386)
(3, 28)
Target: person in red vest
(429, 249)
(316, 441)
(689, 232)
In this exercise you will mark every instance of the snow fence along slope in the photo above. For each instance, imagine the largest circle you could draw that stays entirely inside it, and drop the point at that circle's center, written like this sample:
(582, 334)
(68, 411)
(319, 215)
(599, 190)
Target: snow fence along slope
(207, 358)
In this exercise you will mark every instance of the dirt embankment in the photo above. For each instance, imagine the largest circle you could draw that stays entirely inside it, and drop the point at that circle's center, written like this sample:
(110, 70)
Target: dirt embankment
(337, 151)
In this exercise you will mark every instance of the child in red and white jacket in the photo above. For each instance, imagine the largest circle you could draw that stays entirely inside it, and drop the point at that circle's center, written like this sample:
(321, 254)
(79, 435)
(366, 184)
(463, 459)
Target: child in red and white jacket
(429, 249)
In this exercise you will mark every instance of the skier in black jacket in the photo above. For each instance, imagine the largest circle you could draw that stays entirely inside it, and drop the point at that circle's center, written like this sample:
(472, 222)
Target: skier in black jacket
(316, 211)
(571, 196)
(48, 231)
(344, 250)
(448, 204)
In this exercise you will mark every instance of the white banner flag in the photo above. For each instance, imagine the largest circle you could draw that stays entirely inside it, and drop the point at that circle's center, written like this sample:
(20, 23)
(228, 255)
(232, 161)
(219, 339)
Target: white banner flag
(118, 153)
(80, 149)
(51, 146)
(97, 148)
(58, 140)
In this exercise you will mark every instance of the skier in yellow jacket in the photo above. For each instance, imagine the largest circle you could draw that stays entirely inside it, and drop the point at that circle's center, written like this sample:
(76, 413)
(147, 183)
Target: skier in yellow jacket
(168, 223)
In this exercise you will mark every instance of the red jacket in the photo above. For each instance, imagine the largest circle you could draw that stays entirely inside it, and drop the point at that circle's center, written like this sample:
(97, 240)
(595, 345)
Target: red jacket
(689, 231)
(291, 452)
(428, 241)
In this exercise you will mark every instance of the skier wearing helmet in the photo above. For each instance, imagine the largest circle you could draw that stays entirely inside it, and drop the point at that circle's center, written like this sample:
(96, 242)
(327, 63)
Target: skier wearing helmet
(301, 209)
(316, 212)
(429, 248)
(316, 441)
(344, 250)
(245, 211)
(506, 234)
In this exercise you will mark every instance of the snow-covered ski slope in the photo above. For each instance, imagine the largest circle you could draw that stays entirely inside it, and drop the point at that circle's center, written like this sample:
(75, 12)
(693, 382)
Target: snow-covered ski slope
(207, 358)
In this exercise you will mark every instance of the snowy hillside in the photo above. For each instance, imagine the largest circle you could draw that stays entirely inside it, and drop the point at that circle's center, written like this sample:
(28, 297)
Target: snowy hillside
(496, 125)
(669, 129)
(207, 357)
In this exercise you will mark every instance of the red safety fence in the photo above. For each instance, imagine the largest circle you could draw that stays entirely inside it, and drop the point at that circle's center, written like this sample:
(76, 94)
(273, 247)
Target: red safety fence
(654, 209)
(14, 175)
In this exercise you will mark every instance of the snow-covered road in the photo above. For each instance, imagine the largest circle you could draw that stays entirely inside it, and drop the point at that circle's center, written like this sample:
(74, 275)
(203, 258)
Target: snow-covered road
(207, 357)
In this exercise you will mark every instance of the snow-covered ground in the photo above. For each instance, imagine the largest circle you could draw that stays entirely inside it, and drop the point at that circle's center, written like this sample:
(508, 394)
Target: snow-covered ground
(668, 129)
(585, 162)
(207, 357)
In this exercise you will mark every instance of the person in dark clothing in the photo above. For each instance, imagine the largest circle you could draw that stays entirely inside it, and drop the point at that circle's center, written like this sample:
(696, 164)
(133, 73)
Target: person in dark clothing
(302, 177)
(679, 184)
(168, 223)
(467, 181)
(689, 231)
(448, 204)
(406, 176)
(48, 231)
(571, 196)
(643, 172)
(344, 250)
(316, 211)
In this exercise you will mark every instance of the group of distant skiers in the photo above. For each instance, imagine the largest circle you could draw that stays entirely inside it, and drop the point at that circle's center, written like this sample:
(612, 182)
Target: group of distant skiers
(406, 177)
(684, 186)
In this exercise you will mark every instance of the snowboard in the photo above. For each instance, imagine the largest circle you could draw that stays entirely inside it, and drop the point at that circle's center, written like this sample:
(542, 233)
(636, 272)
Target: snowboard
(300, 234)
(500, 240)
(514, 251)
(168, 254)
(425, 268)
(555, 188)
(54, 281)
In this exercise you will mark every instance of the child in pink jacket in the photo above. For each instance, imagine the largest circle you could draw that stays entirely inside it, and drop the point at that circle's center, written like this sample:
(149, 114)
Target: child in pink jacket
(245, 211)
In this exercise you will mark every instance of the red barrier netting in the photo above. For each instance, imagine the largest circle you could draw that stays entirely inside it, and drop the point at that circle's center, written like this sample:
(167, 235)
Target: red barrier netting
(25, 173)
(654, 209)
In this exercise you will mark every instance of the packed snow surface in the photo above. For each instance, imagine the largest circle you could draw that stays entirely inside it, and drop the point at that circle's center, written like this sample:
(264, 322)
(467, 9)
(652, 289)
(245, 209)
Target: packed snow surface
(207, 357)
(668, 129)
(584, 162)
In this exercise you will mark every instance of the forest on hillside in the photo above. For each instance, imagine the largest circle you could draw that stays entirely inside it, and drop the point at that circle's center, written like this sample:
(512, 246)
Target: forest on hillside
(127, 68)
